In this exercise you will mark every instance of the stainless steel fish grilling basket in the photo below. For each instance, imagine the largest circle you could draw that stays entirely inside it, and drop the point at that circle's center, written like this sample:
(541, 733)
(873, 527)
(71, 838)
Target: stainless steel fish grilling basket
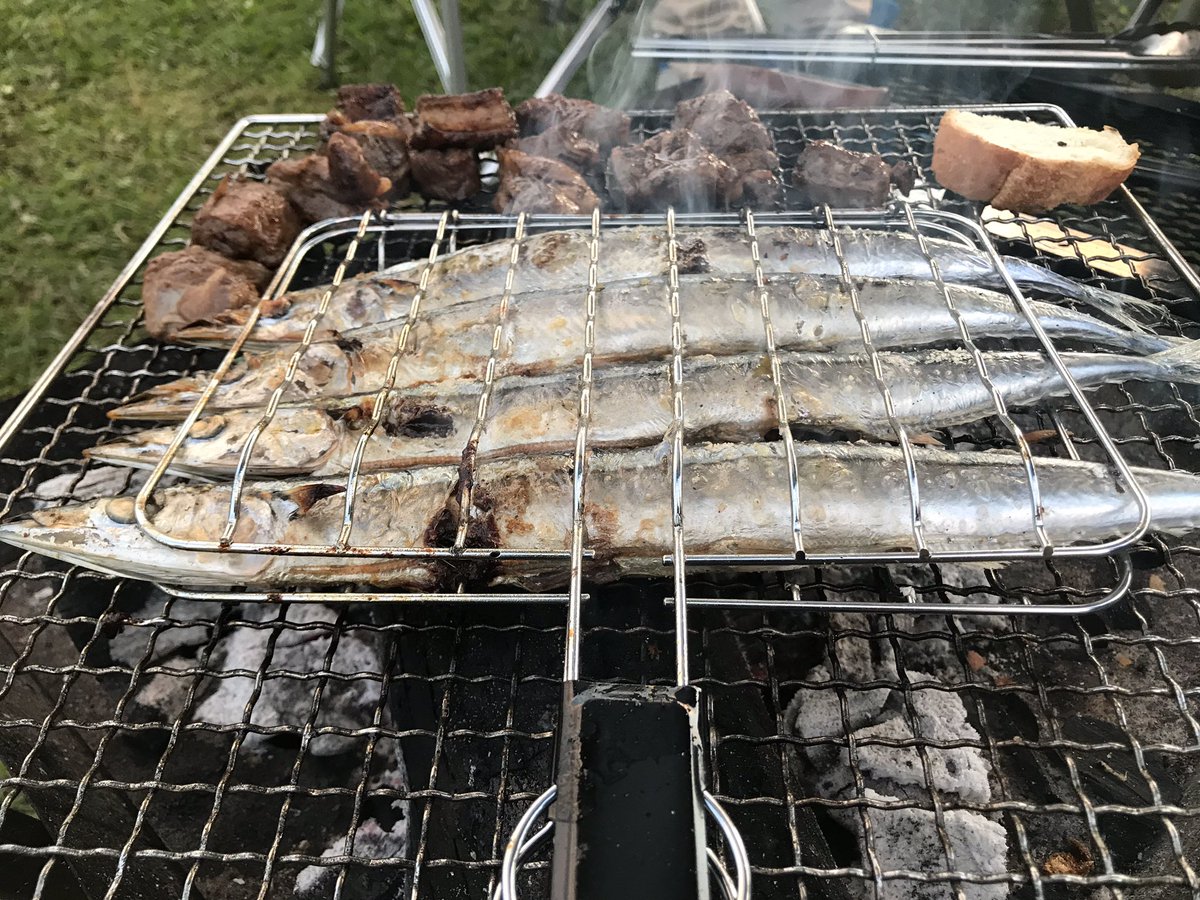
(365, 238)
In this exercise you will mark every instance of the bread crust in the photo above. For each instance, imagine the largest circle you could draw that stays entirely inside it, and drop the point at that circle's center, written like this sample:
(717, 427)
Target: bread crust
(978, 167)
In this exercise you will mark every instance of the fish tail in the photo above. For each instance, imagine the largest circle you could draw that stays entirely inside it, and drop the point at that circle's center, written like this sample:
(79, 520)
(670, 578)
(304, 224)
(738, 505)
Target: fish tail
(1180, 363)
(1117, 306)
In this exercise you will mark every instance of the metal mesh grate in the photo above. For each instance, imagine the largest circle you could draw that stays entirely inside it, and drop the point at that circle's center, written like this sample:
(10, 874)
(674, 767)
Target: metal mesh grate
(159, 747)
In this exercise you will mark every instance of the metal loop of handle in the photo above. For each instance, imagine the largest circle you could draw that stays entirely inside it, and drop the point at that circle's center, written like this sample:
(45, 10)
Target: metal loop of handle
(736, 887)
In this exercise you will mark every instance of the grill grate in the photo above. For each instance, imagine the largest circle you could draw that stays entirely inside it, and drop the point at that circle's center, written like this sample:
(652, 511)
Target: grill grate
(182, 748)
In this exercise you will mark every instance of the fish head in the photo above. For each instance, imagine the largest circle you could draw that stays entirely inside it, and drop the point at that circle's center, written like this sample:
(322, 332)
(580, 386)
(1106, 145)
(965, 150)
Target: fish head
(104, 535)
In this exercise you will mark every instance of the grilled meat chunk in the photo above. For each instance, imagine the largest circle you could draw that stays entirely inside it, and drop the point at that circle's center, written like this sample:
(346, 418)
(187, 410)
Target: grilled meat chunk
(338, 183)
(194, 285)
(378, 102)
(384, 146)
(565, 144)
(826, 173)
(475, 121)
(536, 184)
(673, 168)
(607, 127)
(725, 124)
(450, 175)
(246, 220)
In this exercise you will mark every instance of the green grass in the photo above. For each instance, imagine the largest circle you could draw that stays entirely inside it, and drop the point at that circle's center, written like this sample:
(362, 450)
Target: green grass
(107, 108)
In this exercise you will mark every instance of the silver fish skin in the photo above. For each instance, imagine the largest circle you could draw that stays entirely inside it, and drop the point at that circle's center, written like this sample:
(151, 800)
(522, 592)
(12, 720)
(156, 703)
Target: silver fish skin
(726, 398)
(854, 498)
(544, 332)
(559, 260)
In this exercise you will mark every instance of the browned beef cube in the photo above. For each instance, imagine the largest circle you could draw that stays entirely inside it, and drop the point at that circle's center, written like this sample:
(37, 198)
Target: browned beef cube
(194, 285)
(564, 144)
(607, 127)
(724, 123)
(673, 168)
(384, 145)
(761, 188)
(536, 184)
(826, 173)
(475, 121)
(335, 184)
(246, 220)
(450, 175)
(369, 101)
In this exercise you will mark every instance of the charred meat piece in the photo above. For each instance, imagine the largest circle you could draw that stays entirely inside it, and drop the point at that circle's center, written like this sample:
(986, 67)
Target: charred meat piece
(246, 220)
(475, 121)
(726, 124)
(673, 168)
(384, 146)
(761, 188)
(536, 184)
(826, 173)
(607, 127)
(357, 102)
(194, 285)
(336, 184)
(565, 144)
(450, 175)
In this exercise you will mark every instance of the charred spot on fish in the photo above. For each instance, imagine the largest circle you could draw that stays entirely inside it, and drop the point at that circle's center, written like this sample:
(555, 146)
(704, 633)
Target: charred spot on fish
(275, 307)
(414, 420)
(692, 257)
(302, 384)
(306, 496)
(347, 344)
(353, 416)
(548, 248)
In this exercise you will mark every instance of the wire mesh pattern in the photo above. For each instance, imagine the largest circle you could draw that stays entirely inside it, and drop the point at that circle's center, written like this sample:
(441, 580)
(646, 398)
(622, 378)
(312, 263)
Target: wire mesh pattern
(161, 747)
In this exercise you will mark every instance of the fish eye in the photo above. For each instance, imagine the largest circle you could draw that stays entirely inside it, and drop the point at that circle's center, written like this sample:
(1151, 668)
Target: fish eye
(121, 510)
(207, 428)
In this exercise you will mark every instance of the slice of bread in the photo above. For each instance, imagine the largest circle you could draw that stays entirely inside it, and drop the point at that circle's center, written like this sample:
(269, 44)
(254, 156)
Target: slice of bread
(1027, 167)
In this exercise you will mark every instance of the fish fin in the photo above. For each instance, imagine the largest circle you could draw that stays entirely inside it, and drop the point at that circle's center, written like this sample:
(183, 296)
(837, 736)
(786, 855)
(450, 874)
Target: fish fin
(1181, 363)
(306, 496)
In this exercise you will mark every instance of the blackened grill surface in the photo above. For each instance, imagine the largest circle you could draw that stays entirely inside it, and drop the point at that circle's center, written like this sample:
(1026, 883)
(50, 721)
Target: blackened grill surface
(164, 748)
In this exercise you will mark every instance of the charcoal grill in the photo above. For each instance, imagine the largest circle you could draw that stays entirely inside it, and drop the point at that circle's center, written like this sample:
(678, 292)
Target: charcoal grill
(165, 746)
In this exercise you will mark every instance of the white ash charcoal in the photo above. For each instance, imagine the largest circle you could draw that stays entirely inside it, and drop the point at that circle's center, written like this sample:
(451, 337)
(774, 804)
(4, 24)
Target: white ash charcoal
(908, 839)
(817, 713)
(961, 771)
(371, 841)
(286, 700)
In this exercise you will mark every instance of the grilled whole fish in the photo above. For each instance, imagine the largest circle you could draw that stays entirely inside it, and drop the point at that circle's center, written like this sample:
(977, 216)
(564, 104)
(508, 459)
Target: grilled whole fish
(544, 332)
(726, 398)
(559, 261)
(854, 497)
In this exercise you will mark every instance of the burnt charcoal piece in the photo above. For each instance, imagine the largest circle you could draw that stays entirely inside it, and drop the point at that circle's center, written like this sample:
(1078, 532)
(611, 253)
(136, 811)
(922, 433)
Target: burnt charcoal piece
(673, 168)
(450, 175)
(826, 173)
(536, 184)
(607, 127)
(566, 145)
(246, 220)
(369, 101)
(384, 146)
(195, 284)
(725, 124)
(477, 121)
